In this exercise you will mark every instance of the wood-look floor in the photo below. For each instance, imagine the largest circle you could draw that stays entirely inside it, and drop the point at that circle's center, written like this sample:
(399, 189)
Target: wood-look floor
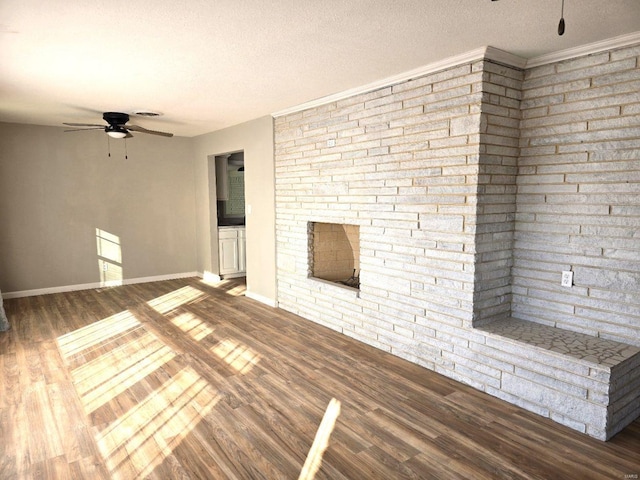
(180, 379)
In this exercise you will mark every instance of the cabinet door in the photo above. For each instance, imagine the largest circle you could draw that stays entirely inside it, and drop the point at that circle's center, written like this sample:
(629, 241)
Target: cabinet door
(242, 251)
(228, 255)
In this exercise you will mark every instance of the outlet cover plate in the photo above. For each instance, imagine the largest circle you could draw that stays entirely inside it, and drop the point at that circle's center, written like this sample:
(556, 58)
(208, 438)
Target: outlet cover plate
(567, 279)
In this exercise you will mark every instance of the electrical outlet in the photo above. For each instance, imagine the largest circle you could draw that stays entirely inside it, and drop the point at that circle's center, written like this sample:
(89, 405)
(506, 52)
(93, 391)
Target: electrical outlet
(567, 279)
(105, 266)
(331, 142)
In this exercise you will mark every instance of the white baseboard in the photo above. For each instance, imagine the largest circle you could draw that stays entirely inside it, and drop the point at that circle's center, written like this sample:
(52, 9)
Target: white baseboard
(261, 299)
(89, 286)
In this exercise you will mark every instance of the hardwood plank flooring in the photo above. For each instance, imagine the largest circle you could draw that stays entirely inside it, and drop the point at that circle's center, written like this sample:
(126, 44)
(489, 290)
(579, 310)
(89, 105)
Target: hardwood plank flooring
(182, 379)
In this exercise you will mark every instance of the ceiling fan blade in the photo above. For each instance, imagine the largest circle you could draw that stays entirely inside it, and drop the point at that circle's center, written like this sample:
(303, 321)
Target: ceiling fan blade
(136, 128)
(83, 125)
(85, 129)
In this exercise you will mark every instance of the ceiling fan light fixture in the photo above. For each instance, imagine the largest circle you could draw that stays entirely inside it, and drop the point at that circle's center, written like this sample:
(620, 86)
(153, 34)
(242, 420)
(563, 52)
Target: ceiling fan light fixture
(115, 131)
(117, 126)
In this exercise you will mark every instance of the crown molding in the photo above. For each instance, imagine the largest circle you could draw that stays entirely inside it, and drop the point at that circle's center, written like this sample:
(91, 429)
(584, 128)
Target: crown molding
(505, 58)
(589, 49)
(482, 53)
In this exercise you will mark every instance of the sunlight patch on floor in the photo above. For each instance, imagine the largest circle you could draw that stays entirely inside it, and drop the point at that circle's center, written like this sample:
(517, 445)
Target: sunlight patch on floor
(239, 357)
(172, 300)
(192, 326)
(97, 333)
(321, 441)
(148, 433)
(236, 291)
(115, 355)
(126, 375)
(230, 287)
(104, 378)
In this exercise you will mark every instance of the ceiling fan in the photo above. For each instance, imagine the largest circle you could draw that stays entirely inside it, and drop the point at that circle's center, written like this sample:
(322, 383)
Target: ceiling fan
(117, 126)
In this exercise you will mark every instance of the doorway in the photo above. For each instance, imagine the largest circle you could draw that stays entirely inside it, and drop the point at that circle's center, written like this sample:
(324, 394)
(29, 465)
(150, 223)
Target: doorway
(228, 218)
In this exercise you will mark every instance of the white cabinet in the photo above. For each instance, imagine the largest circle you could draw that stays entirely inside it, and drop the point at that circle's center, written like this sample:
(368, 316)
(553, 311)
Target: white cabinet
(242, 250)
(232, 242)
(229, 261)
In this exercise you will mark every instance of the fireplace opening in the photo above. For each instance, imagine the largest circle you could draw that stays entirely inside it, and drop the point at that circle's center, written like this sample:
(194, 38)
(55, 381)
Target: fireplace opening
(334, 253)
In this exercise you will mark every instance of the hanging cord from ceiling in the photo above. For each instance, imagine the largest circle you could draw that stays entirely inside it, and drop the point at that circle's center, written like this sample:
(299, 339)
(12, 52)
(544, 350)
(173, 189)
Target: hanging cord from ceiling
(561, 24)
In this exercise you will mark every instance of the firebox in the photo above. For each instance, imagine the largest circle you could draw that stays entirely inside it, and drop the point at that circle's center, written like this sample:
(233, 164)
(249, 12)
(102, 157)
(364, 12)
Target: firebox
(334, 252)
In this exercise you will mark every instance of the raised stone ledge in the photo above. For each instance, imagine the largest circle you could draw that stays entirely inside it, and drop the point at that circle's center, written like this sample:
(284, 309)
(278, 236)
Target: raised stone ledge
(585, 348)
(607, 407)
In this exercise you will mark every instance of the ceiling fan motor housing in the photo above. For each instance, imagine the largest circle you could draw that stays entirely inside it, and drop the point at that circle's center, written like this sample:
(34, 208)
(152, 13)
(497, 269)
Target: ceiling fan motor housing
(115, 118)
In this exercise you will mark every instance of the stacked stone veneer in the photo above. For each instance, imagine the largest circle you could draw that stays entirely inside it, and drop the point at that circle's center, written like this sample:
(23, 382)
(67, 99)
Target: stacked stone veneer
(496, 192)
(578, 205)
(575, 379)
(428, 169)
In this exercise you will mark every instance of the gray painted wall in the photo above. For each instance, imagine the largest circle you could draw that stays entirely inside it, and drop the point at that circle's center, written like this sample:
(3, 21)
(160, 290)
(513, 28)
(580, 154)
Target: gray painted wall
(57, 188)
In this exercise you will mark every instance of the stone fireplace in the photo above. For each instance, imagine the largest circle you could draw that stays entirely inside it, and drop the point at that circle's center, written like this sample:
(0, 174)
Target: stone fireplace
(472, 193)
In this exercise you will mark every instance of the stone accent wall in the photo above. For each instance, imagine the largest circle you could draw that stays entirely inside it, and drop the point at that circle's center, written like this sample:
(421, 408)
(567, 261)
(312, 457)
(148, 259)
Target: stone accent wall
(401, 162)
(495, 216)
(579, 196)
(427, 169)
(473, 188)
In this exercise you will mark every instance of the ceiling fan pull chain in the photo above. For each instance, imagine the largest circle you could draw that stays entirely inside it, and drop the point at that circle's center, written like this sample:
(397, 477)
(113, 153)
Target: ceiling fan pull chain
(126, 157)
(108, 146)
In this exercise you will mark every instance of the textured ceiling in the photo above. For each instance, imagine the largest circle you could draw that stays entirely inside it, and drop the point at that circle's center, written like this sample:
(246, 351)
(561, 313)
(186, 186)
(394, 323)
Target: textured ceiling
(208, 64)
